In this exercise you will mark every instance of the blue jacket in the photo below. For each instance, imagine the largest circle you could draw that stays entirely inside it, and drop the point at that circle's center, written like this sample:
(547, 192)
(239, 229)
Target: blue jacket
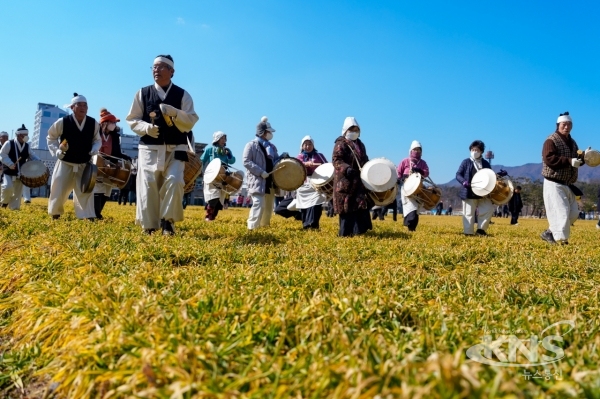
(466, 171)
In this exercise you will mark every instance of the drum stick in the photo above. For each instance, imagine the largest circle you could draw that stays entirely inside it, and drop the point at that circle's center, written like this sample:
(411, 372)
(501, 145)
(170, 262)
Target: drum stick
(280, 167)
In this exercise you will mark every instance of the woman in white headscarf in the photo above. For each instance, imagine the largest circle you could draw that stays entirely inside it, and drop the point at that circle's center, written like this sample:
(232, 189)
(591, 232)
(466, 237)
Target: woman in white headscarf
(410, 164)
(309, 200)
(349, 192)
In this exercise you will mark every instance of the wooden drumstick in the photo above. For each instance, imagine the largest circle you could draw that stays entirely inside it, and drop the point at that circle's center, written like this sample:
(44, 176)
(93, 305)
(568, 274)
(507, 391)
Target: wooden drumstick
(275, 170)
(152, 116)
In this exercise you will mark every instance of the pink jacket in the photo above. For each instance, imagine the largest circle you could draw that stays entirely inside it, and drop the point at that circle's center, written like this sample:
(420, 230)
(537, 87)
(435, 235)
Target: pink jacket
(406, 165)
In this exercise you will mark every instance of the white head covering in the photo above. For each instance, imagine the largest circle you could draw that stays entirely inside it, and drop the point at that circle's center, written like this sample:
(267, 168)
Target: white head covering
(306, 138)
(415, 144)
(217, 136)
(348, 123)
(22, 130)
(3, 134)
(165, 60)
(564, 118)
(77, 98)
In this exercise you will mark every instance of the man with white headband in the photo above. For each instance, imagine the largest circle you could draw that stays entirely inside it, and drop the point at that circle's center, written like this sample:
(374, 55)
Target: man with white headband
(14, 154)
(161, 114)
(3, 139)
(73, 139)
(560, 162)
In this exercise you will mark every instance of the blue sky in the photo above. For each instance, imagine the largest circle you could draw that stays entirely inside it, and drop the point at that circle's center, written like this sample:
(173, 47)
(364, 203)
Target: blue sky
(444, 73)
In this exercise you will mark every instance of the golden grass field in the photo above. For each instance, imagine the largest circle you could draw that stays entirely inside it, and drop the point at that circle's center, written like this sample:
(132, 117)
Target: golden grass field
(98, 310)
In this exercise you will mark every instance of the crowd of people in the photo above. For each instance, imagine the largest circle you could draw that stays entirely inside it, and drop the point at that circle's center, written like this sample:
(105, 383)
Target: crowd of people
(163, 115)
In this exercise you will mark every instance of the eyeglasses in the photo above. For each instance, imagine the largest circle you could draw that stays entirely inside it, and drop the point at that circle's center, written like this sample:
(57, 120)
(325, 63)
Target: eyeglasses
(158, 68)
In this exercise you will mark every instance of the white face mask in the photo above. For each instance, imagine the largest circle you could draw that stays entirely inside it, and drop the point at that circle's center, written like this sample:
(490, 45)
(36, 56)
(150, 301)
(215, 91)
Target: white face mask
(475, 154)
(352, 135)
(25, 139)
(111, 126)
(268, 136)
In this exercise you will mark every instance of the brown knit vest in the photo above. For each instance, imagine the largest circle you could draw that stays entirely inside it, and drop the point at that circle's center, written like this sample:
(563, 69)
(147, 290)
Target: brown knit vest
(567, 175)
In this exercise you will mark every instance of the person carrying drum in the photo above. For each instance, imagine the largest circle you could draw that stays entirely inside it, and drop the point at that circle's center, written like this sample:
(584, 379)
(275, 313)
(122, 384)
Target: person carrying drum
(412, 164)
(73, 139)
(560, 163)
(213, 195)
(14, 154)
(259, 157)
(3, 139)
(309, 200)
(111, 145)
(349, 193)
(161, 114)
(471, 201)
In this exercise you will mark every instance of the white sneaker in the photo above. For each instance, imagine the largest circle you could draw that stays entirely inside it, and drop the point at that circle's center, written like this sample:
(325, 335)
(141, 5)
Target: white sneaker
(598, 226)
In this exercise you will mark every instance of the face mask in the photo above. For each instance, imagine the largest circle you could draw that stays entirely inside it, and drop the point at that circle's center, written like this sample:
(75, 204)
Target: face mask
(269, 136)
(415, 154)
(475, 154)
(111, 127)
(25, 139)
(352, 135)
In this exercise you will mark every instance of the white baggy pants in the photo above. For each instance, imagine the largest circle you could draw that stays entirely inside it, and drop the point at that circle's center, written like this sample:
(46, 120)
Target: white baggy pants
(26, 193)
(159, 192)
(66, 177)
(12, 187)
(561, 209)
(261, 210)
(485, 210)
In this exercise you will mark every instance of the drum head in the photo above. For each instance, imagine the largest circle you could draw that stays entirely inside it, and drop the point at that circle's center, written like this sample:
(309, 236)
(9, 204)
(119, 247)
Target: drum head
(88, 179)
(213, 169)
(379, 174)
(384, 198)
(289, 174)
(483, 182)
(33, 169)
(411, 184)
(322, 174)
(592, 158)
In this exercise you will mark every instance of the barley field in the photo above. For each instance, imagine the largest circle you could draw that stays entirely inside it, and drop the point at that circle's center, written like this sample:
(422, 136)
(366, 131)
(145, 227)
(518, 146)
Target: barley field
(98, 310)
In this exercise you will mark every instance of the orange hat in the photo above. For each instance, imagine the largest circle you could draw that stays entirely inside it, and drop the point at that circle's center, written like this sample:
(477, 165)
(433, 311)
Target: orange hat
(106, 116)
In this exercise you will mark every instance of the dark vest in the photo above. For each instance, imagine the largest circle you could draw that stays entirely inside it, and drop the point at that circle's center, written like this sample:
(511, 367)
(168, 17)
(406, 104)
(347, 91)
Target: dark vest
(13, 154)
(80, 142)
(151, 102)
(566, 175)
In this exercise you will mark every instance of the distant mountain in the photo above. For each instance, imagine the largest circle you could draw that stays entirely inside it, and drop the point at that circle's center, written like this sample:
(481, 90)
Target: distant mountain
(533, 171)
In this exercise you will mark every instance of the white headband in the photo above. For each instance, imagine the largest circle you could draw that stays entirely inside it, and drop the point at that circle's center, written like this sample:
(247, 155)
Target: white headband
(3, 134)
(564, 118)
(165, 60)
(75, 100)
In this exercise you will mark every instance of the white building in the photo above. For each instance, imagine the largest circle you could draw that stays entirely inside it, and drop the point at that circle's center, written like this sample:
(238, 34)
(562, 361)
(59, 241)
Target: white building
(45, 116)
(129, 144)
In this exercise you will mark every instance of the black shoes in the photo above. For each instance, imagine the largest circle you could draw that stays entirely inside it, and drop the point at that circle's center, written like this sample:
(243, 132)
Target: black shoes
(167, 228)
(548, 237)
(480, 232)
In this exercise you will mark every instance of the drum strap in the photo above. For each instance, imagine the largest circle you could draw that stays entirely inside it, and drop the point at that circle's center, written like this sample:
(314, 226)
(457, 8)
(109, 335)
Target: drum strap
(355, 157)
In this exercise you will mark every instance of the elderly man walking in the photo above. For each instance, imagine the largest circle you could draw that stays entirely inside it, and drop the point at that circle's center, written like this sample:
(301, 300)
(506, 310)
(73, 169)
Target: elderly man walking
(14, 154)
(560, 163)
(73, 139)
(162, 114)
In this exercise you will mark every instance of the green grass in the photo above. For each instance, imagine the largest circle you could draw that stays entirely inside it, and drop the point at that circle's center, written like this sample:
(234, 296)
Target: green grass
(99, 310)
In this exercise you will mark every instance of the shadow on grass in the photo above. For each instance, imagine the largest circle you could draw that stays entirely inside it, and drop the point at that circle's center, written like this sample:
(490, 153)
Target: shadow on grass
(389, 234)
(257, 237)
